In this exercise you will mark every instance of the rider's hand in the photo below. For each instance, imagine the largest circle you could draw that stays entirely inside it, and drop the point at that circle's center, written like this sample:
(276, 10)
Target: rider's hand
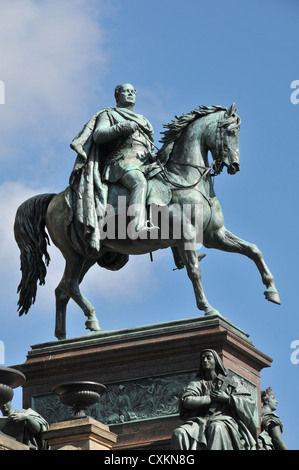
(128, 127)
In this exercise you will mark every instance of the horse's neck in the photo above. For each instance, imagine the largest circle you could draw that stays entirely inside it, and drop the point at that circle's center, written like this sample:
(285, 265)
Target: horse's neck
(189, 157)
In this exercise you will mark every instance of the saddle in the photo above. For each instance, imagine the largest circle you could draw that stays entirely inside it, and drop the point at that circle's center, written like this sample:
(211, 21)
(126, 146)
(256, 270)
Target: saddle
(158, 193)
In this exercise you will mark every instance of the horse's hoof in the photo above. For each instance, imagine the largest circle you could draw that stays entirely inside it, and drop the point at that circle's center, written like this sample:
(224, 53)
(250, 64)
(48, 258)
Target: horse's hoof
(60, 336)
(273, 296)
(213, 312)
(92, 325)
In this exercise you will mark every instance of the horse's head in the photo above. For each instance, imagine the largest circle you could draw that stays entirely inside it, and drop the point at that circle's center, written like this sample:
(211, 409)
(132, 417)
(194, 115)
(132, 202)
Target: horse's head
(226, 150)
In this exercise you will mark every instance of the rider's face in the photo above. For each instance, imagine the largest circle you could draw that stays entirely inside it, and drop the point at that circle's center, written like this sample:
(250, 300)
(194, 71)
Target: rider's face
(126, 95)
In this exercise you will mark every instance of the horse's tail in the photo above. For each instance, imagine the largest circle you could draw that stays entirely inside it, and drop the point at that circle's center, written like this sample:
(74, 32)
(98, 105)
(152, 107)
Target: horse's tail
(32, 240)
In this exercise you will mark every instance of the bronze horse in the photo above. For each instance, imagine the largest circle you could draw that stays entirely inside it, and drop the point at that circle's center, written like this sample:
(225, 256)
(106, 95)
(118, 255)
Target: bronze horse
(186, 171)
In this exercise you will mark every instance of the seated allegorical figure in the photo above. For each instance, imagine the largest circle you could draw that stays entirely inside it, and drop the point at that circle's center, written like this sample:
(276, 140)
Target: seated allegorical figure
(218, 412)
(24, 425)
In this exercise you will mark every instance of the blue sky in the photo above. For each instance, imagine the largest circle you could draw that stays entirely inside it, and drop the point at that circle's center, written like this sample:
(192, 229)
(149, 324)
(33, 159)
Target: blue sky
(60, 62)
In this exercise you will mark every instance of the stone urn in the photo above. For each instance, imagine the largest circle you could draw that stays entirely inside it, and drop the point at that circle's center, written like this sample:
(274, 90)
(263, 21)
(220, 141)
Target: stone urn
(79, 395)
(9, 379)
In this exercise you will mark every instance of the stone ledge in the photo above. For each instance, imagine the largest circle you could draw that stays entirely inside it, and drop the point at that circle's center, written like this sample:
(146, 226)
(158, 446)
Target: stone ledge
(8, 443)
(114, 336)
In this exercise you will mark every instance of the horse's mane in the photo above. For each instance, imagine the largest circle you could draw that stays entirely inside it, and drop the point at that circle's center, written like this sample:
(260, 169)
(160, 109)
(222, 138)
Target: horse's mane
(175, 128)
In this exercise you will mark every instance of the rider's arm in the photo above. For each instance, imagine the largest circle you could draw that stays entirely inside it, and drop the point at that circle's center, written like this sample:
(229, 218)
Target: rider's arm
(105, 132)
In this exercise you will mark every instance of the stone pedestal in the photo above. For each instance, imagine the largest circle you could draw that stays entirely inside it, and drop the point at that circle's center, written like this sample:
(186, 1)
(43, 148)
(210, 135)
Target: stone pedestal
(79, 434)
(8, 443)
(144, 369)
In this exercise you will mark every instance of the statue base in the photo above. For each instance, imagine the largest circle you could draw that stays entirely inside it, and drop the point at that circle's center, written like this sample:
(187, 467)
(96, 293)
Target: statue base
(144, 369)
(9, 443)
(79, 434)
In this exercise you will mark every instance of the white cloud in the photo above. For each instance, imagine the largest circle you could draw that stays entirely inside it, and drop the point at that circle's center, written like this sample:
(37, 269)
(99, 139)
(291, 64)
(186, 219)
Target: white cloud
(52, 62)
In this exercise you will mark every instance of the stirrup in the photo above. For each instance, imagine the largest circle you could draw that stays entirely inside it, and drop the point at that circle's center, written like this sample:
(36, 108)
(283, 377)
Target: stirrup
(150, 226)
(147, 227)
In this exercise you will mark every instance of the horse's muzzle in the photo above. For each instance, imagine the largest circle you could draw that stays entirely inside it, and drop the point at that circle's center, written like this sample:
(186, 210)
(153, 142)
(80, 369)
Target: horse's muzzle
(233, 168)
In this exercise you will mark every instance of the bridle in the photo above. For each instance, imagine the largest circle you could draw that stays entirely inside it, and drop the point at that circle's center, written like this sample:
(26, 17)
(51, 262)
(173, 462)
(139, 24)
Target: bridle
(219, 140)
(216, 164)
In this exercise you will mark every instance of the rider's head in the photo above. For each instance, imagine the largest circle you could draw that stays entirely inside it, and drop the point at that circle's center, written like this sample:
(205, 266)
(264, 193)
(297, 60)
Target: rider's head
(125, 95)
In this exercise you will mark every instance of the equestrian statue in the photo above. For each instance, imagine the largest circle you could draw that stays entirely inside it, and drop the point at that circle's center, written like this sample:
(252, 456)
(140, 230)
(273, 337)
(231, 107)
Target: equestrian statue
(126, 197)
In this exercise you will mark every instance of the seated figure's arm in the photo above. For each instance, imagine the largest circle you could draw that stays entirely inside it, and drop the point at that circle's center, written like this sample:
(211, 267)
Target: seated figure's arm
(34, 422)
(104, 132)
(192, 402)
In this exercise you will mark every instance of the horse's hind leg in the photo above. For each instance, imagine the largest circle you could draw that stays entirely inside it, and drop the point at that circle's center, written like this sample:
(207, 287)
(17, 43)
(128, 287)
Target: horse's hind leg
(191, 261)
(61, 303)
(224, 240)
(69, 288)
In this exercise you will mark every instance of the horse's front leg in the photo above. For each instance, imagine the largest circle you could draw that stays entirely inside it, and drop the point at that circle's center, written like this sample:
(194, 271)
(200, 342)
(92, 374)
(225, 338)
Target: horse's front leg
(224, 240)
(190, 259)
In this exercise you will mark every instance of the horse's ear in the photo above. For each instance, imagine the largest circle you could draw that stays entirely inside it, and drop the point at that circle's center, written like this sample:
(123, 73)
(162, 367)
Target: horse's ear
(231, 110)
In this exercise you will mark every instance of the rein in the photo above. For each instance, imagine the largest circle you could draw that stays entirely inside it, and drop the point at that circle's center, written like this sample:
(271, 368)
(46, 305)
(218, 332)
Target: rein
(198, 167)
